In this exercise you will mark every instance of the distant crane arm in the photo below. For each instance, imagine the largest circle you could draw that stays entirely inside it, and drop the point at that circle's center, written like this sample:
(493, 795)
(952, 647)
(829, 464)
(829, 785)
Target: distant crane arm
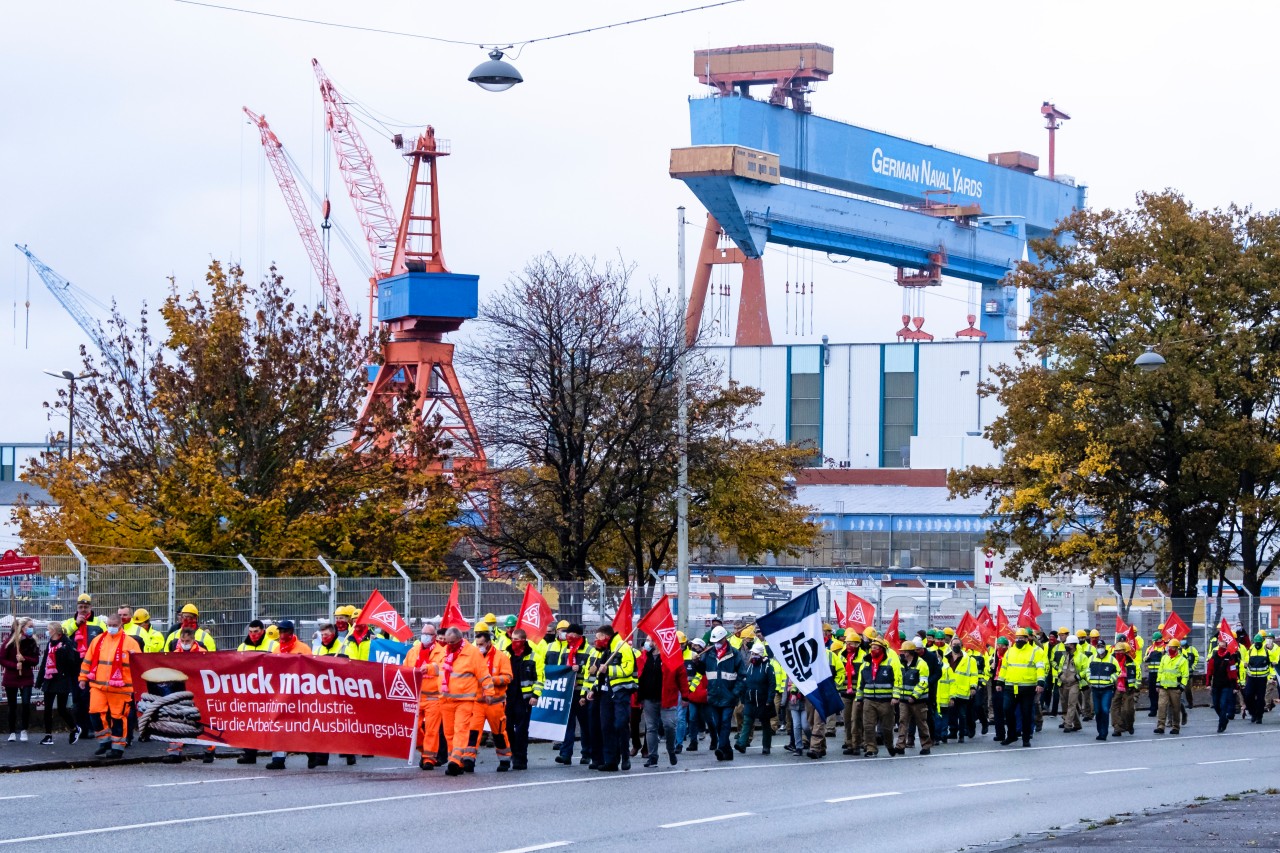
(63, 292)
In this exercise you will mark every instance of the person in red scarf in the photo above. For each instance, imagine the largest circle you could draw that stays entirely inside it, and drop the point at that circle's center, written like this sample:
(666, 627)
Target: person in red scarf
(80, 630)
(185, 645)
(1124, 705)
(289, 644)
(107, 676)
(566, 650)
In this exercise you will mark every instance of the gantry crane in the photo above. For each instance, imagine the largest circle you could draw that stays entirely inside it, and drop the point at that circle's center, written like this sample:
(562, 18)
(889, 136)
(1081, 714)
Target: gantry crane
(301, 218)
(364, 185)
(65, 292)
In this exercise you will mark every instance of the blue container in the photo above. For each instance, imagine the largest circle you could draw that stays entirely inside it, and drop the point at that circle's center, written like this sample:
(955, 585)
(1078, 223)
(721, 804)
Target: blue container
(429, 294)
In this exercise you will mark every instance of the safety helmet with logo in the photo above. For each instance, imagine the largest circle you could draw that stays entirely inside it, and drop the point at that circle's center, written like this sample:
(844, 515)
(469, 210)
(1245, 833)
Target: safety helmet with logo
(190, 608)
(141, 615)
(508, 622)
(718, 633)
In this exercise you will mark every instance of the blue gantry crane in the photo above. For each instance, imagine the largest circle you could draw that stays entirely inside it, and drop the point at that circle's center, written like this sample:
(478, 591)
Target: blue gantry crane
(769, 171)
(65, 292)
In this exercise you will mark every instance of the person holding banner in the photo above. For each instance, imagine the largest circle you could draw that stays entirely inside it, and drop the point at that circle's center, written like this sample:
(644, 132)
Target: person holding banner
(567, 650)
(611, 680)
(522, 695)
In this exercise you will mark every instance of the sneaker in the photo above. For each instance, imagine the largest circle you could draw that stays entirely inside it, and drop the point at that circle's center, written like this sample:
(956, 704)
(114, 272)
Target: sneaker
(651, 761)
(560, 759)
(13, 737)
(22, 735)
(73, 735)
(47, 741)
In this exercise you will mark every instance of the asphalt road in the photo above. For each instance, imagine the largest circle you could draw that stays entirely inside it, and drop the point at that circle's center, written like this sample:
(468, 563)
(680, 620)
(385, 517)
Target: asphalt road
(961, 796)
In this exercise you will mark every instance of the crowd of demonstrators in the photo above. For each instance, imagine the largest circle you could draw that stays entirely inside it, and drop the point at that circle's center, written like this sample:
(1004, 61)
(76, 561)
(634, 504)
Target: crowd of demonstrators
(477, 688)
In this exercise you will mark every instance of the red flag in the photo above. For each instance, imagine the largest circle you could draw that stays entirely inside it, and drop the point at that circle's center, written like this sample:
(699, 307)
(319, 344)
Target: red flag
(660, 626)
(1175, 628)
(1002, 624)
(891, 635)
(622, 621)
(860, 613)
(987, 626)
(1226, 635)
(839, 616)
(1129, 632)
(453, 613)
(970, 633)
(378, 611)
(535, 614)
(1029, 611)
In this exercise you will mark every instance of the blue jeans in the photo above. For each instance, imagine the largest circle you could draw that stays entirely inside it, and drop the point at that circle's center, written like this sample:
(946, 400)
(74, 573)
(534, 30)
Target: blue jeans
(799, 737)
(1224, 704)
(1102, 697)
(683, 713)
(579, 727)
(723, 717)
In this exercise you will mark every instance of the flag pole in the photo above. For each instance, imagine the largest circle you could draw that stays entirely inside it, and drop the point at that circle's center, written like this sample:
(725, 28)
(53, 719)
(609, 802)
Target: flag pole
(682, 433)
(413, 735)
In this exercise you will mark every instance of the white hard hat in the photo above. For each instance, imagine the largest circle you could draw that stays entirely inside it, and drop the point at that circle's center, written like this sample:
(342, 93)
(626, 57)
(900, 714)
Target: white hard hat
(758, 649)
(718, 633)
(1072, 640)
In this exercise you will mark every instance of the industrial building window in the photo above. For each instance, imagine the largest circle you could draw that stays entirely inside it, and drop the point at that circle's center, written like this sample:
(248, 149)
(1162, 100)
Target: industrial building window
(898, 405)
(804, 407)
(8, 457)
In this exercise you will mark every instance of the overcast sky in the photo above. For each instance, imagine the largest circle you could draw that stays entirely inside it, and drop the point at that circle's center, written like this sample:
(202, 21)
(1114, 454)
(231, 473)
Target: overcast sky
(126, 158)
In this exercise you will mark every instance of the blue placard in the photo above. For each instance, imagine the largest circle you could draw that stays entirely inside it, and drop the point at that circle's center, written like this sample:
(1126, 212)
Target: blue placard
(388, 651)
(550, 716)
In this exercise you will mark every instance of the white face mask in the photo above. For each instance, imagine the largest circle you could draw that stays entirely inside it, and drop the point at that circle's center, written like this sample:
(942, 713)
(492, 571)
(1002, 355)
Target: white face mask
(186, 647)
(428, 639)
(648, 647)
(561, 635)
(113, 629)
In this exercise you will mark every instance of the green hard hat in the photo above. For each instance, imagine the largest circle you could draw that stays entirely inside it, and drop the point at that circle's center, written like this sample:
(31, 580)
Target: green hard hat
(840, 633)
(1156, 636)
(1260, 637)
(1002, 641)
(508, 621)
(902, 635)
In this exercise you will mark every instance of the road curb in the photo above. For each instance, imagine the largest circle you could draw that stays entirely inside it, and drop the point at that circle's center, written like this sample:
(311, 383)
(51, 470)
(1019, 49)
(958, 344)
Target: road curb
(79, 763)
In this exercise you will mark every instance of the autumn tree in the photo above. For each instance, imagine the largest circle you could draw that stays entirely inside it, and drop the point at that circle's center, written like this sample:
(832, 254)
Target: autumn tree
(1104, 463)
(237, 433)
(573, 383)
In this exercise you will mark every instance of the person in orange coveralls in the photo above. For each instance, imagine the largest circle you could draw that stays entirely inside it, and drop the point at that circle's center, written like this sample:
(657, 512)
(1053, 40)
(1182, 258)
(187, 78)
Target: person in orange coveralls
(433, 740)
(464, 680)
(107, 673)
(492, 706)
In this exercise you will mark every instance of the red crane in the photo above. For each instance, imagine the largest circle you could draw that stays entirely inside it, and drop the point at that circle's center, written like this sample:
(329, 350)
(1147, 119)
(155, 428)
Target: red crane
(301, 218)
(364, 185)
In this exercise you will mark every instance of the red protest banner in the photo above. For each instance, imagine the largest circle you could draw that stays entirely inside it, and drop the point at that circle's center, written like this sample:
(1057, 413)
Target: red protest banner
(840, 623)
(11, 564)
(622, 620)
(535, 614)
(893, 635)
(1175, 628)
(970, 633)
(661, 627)
(1029, 611)
(292, 703)
(453, 617)
(379, 612)
(859, 612)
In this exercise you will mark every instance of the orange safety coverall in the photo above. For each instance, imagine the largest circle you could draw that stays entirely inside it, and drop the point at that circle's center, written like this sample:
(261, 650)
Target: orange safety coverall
(428, 664)
(110, 701)
(492, 707)
(464, 680)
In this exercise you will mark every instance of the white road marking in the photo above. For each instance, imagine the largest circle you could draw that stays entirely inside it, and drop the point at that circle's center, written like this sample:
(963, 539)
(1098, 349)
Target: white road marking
(548, 846)
(866, 797)
(704, 820)
(1117, 770)
(21, 797)
(203, 782)
(1225, 761)
(992, 782)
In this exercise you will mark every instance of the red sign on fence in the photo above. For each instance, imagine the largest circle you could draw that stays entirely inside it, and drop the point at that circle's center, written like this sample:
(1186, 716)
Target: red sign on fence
(11, 564)
(292, 703)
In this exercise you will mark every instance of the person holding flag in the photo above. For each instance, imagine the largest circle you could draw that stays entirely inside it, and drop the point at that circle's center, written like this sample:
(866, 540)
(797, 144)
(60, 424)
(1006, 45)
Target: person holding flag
(1151, 659)
(1124, 705)
(1173, 677)
(611, 680)
(1222, 674)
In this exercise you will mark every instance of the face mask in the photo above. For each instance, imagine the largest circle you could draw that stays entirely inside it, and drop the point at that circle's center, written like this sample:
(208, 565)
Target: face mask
(327, 638)
(518, 646)
(756, 658)
(560, 635)
(186, 647)
(428, 639)
(453, 647)
(29, 632)
(341, 626)
(955, 649)
(113, 629)
(602, 643)
(648, 647)
(1173, 653)
(877, 653)
(1019, 643)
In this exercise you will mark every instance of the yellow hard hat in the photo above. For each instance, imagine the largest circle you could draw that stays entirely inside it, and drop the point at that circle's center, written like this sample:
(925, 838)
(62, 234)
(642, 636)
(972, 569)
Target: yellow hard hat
(491, 619)
(84, 598)
(826, 626)
(141, 615)
(562, 625)
(1022, 632)
(1160, 627)
(837, 646)
(1062, 632)
(1121, 647)
(483, 627)
(190, 608)
(949, 632)
(1175, 643)
(748, 633)
(1081, 634)
(870, 634)
(345, 610)
(1095, 633)
(853, 637)
(681, 637)
(272, 632)
(908, 646)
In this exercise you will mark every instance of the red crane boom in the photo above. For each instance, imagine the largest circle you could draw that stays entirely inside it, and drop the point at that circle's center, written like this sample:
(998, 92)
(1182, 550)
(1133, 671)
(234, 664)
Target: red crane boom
(301, 218)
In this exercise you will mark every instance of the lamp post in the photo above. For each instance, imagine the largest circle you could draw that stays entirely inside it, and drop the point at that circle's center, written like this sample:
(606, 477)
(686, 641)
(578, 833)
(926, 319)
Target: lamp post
(71, 406)
(682, 433)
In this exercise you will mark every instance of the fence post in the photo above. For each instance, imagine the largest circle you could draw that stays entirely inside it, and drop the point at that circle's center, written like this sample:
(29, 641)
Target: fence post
(84, 566)
(928, 606)
(475, 617)
(253, 585)
(600, 586)
(173, 583)
(333, 584)
(535, 574)
(408, 588)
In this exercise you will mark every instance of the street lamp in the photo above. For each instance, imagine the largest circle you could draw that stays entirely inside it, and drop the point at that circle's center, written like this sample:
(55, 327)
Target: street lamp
(71, 405)
(1149, 360)
(495, 75)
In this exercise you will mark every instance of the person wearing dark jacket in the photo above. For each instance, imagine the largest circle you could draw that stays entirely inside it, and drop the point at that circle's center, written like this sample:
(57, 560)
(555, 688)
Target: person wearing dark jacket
(724, 688)
(19, 657)
(659, 694)
(1222, 673)
(759, 683)
(56, 674)
(522, 695)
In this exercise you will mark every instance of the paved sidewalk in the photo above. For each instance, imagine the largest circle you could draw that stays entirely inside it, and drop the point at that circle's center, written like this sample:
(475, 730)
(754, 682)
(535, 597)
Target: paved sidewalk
(1248, 821)
(60, 755)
